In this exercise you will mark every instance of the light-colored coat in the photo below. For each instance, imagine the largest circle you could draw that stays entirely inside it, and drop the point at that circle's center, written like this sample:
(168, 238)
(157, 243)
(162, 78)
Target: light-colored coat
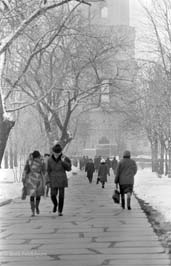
(33, 177)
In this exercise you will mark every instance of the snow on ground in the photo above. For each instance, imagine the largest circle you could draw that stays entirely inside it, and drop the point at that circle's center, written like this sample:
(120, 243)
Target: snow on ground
(148, 186)
(154, 190)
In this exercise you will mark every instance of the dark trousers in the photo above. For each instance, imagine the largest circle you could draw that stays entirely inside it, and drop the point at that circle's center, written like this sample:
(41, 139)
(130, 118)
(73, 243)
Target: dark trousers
(34, 202)
(54, 194)
(90, 178)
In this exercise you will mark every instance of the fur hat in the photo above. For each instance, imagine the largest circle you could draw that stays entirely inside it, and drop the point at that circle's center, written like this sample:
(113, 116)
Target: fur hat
(126, 154)
(36, 154)
(57, 148)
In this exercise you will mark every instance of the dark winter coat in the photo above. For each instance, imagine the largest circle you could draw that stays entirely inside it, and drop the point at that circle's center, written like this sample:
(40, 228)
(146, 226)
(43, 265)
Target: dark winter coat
(56, 169)
(103, 172)
(125, 172)
(89, 169)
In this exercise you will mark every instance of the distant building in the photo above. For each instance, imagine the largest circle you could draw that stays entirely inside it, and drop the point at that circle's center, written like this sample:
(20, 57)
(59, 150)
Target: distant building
(98, 124)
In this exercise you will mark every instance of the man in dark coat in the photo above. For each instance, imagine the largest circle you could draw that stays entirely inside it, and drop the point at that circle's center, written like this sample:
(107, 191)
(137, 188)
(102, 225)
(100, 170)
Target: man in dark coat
(57, 166)
(125, 173)
(89, 168)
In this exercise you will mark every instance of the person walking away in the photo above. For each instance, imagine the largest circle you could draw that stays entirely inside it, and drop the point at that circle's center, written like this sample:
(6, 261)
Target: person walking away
(46, 157)
(34, 180)
(114, 164)
(57, 166)
(89, 168)
(103, 172)
(108, 162)
(125, 173)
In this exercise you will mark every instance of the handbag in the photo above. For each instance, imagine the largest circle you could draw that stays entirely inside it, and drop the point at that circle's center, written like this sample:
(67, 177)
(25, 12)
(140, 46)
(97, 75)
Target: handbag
(23, 193)
(116, 196)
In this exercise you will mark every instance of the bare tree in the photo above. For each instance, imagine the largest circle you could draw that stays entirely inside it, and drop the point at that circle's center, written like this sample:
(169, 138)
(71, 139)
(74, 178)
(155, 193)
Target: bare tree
(159, 17)
(62, 78)
(17, 19)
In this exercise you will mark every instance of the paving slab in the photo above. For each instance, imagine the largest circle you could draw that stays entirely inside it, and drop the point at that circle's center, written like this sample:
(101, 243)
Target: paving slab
(93, 231)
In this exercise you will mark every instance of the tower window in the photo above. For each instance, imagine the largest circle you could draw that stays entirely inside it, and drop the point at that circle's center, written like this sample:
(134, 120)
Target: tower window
(104, 12)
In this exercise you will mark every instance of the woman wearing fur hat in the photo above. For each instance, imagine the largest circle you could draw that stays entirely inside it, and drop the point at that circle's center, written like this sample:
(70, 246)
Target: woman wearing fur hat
(103, 171)
(34, 180)
(125, 173)
(57, 166)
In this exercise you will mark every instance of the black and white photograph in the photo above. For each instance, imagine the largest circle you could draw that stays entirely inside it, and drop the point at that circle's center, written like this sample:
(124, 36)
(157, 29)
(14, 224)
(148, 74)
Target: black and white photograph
(85, 132)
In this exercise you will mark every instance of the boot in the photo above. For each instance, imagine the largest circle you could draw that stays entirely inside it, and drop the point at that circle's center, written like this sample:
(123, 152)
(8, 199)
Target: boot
(32, 208)
(123, 203)
(129, 203)
(37, 205)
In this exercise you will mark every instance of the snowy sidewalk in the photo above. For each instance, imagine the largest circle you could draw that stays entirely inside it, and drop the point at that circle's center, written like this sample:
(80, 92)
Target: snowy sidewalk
(93, 231)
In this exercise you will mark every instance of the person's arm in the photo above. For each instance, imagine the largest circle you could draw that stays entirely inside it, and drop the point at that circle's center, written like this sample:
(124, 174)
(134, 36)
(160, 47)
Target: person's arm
(66, 162)
(48, 172)
(25, 172)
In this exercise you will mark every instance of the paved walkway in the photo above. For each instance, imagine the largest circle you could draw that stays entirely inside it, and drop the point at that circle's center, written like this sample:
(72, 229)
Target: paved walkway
(93, 231)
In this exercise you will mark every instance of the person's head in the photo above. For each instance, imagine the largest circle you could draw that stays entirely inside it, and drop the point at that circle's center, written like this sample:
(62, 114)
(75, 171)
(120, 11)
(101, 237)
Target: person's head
(126, 154)
(102, 160)
(57, 150)
(36, 154)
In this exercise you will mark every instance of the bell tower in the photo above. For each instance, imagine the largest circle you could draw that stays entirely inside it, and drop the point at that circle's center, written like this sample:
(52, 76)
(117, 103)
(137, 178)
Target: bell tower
(110, 12)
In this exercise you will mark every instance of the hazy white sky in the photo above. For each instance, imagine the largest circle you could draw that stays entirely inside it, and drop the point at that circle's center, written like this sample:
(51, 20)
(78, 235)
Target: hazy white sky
(136, 12)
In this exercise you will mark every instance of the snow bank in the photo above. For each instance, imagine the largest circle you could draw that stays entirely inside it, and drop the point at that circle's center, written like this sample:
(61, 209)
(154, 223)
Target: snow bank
(155, 191)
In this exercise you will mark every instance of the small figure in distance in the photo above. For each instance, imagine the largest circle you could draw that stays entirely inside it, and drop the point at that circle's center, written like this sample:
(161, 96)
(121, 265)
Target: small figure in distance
(103, 171)
(89, 168)
(114, 164)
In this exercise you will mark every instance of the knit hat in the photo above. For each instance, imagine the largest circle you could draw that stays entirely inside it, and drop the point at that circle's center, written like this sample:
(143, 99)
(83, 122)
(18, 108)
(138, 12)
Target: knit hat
(126, 154)
(57, 148)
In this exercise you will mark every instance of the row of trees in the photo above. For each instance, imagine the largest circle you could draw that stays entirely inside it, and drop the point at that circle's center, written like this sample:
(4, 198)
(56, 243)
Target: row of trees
(54, 60)
(153, 107)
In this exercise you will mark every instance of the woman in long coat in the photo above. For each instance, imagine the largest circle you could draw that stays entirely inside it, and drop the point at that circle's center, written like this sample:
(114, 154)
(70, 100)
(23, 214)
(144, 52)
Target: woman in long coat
(34, 180)
(103, 172)
(125, 173)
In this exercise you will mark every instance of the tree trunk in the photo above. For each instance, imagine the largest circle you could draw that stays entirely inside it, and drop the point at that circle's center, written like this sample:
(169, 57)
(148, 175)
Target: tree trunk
(166, 163)
(6, 160)
(5, 127)
(169, 166)
(15, 157)
(11, 158)
(161, 165)
(154, 149)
